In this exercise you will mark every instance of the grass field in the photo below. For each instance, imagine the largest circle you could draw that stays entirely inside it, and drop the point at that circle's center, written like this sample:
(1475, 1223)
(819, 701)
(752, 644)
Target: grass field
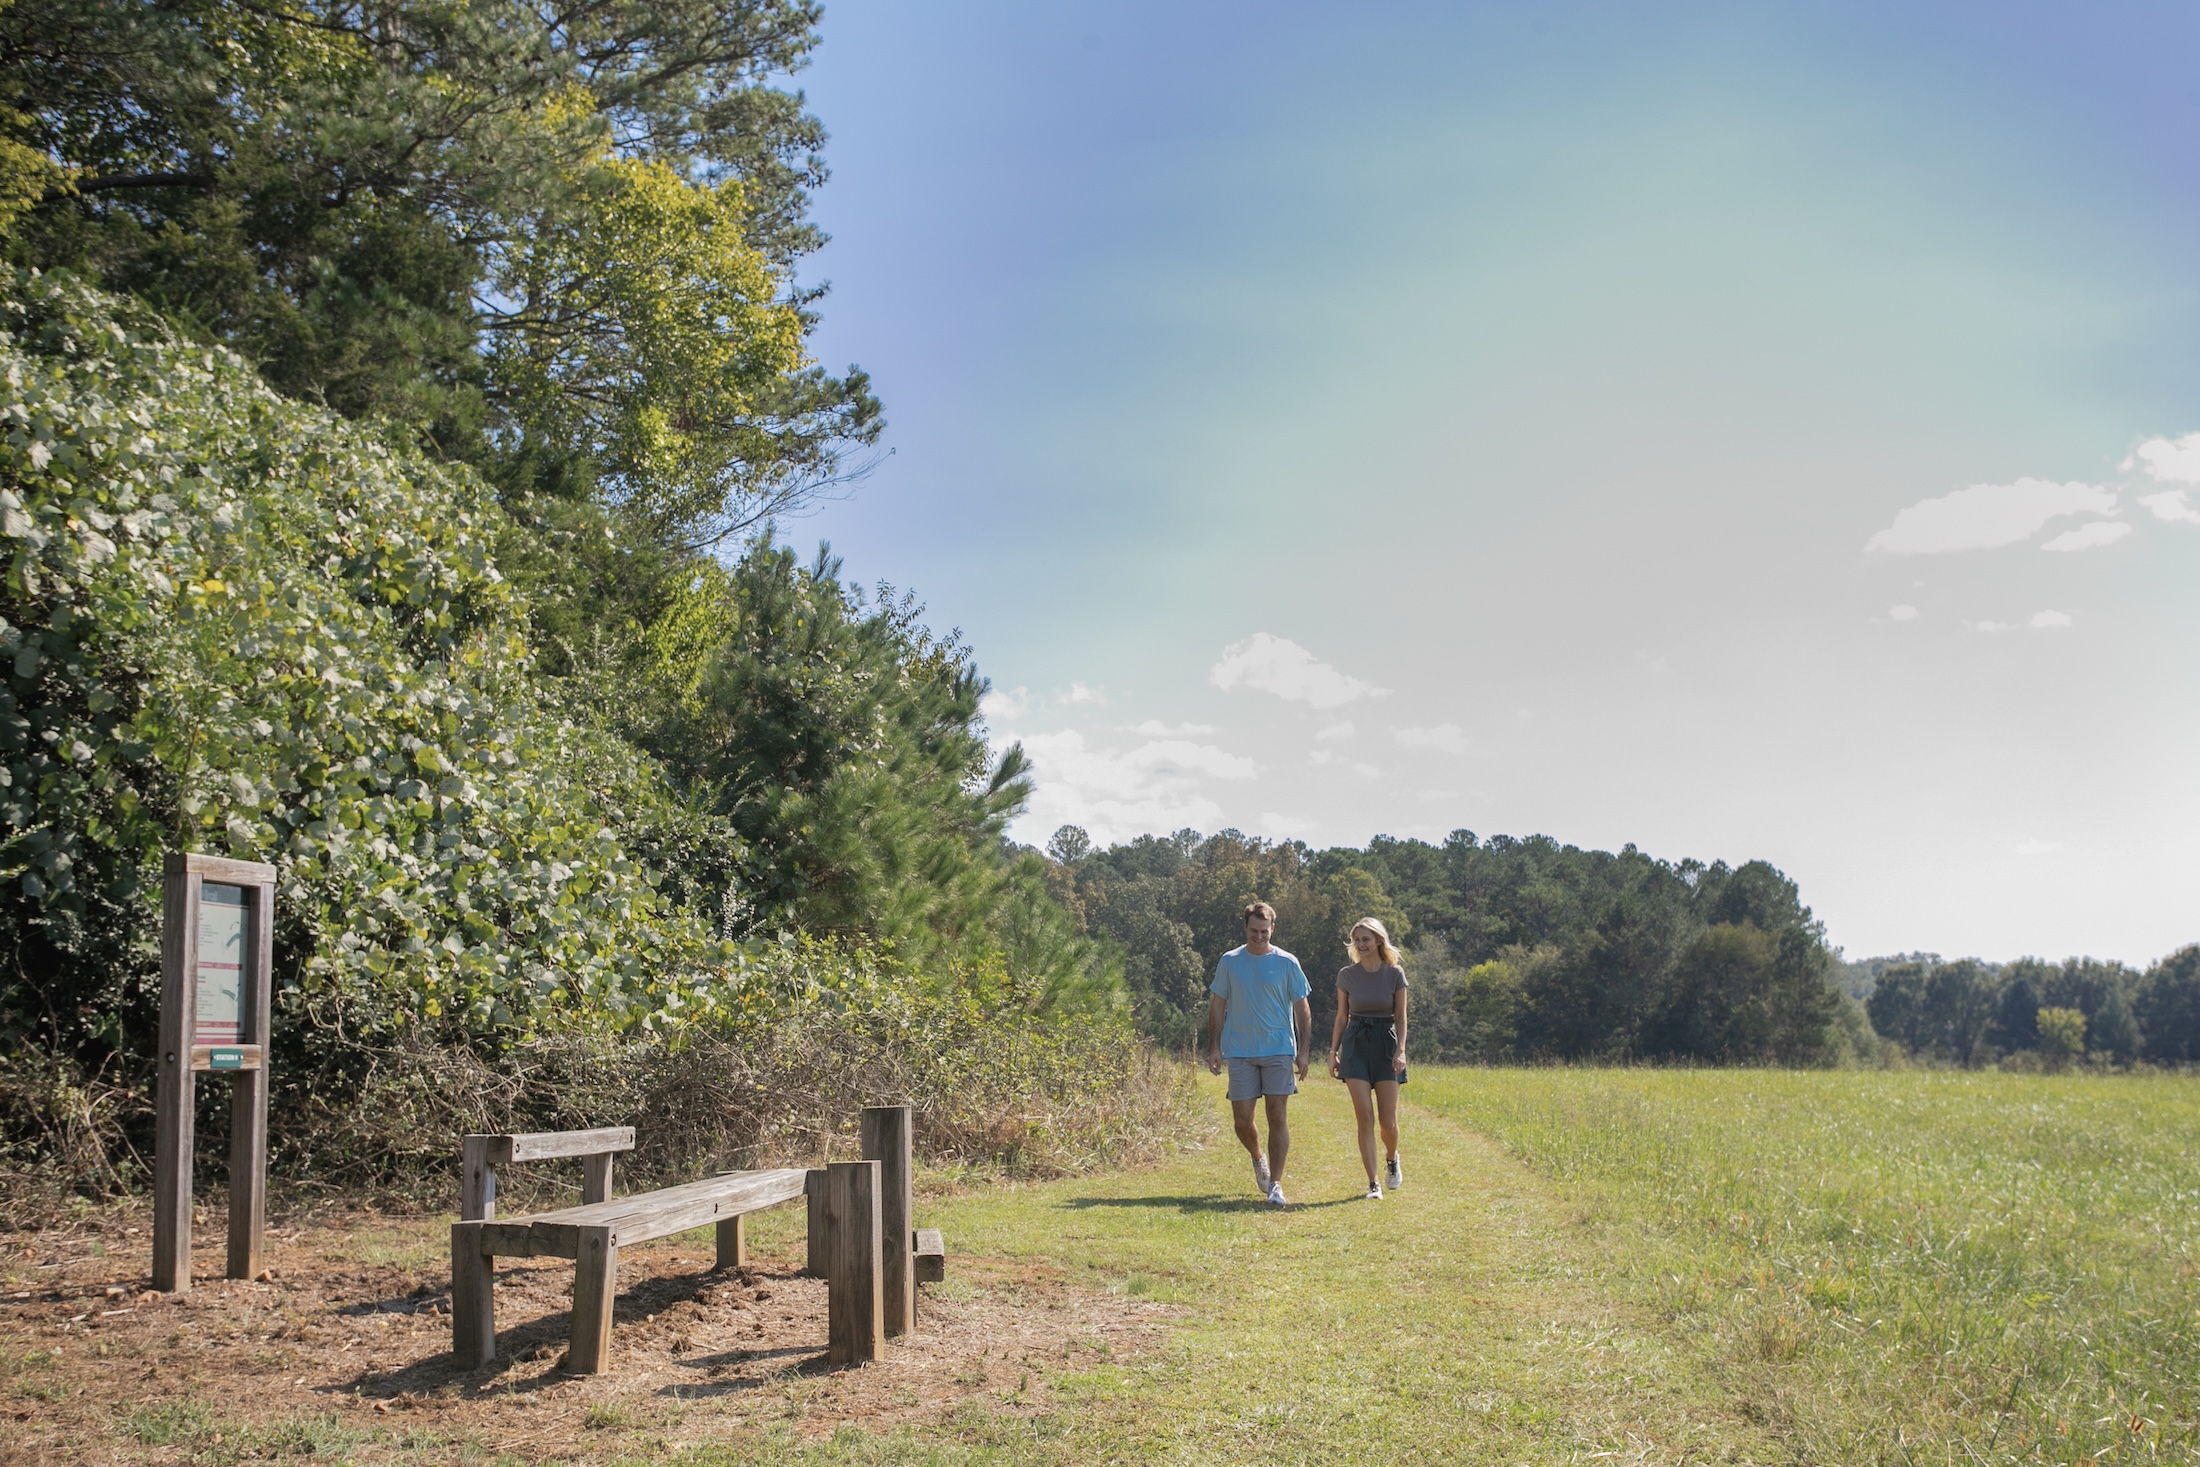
(1585, 1266)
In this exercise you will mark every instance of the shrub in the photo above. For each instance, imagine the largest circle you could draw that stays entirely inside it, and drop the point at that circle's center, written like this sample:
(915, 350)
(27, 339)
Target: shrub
(2062, 1036)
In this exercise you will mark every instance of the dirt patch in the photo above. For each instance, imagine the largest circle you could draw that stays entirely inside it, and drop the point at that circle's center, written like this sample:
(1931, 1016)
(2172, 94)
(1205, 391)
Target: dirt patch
(347, 1347)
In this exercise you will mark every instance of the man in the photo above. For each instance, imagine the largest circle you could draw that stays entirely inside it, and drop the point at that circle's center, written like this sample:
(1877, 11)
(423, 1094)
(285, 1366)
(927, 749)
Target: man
(1259, 1021)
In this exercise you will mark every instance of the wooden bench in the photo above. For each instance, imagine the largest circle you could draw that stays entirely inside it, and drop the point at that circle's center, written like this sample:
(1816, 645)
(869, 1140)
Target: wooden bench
(592, 1234)
(860, 1237)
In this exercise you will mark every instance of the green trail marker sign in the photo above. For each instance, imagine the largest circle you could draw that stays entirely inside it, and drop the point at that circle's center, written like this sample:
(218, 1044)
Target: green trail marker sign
(217, 940)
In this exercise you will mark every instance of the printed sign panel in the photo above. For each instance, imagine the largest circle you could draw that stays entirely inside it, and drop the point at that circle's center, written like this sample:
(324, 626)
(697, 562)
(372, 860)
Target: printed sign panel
(220, 1014)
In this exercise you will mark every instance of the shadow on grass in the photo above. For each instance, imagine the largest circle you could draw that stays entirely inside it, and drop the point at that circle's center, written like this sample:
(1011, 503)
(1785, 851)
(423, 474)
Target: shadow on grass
(1210, 1202)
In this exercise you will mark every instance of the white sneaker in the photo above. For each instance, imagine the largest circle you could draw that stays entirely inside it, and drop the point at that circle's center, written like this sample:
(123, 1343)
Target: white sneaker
(1397, 1175)
(1374, 1192)
(1275, 1194)
(1260, 1175)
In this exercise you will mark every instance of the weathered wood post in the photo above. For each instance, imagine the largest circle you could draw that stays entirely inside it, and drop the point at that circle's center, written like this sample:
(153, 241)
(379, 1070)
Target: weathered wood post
(820, 1262)
(477, 1196)
(217, 945)
(886, 1140)
(595, 1290)
(856, 1316)
(733, 1242)
(473, 1297)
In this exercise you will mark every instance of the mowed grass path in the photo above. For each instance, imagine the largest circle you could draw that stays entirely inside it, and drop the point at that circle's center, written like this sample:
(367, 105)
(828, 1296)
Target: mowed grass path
(1460, 1320)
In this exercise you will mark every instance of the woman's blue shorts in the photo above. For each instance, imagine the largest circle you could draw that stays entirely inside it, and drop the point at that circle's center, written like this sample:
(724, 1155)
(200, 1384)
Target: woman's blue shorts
(1369, 1044)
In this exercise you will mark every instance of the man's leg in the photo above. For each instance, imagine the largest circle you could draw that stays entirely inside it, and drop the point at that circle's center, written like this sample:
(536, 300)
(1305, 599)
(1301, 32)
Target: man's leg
(1279, 1132)
(1241, 1114)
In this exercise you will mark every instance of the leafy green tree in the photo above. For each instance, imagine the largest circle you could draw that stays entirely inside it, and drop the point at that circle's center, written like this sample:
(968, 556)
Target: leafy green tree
(2062, 1036)
(1897, 1005)
(241, 625)
(2016, 1023)
(841, 740)
(523, 232)
(2103, 992)
(2168, 1008)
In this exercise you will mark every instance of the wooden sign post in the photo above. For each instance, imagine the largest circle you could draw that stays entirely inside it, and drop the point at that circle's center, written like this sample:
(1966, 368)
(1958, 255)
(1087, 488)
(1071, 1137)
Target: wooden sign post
(217, 945)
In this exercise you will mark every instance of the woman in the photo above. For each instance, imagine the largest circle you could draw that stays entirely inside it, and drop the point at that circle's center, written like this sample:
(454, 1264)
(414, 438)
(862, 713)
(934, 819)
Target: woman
(1367, 1046)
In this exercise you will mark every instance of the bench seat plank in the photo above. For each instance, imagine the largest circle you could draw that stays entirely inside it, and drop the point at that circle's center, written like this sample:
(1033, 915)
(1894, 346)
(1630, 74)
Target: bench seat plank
(647, 1215)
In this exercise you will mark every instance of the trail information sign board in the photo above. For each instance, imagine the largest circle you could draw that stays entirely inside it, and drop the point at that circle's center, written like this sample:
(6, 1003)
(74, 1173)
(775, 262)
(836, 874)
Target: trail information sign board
(217, 941)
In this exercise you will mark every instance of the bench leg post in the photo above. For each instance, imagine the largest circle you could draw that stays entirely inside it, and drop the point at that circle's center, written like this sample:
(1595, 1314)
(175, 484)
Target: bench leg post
(477, 1198)
(733, 1242)
(820, 1263)
(596, 1178)
(473, 1298)
(856, 1301)
(595, 1286)
(887, 1141)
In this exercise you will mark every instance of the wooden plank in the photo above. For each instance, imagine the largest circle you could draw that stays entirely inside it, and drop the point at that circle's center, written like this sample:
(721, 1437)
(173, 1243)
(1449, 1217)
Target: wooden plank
(247, 1173)
(931, 1256)
(518, 1238)
(820, 1262)
(473, 1298)
(887, 1141)
(477, 1195)
(218, 868)
(646, 1215)
(249, 1090)
(175, 1092)
(551, 1145)
(733, 1242)
(856, 1305)
(596, 1178)
(595, 1289)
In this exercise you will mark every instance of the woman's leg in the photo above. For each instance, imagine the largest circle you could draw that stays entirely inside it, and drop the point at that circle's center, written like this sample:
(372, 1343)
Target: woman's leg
(1386, 1103)
(1363, 1111)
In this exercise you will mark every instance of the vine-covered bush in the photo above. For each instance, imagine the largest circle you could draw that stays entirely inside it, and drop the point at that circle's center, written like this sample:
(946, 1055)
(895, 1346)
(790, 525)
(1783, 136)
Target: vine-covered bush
(238, 624)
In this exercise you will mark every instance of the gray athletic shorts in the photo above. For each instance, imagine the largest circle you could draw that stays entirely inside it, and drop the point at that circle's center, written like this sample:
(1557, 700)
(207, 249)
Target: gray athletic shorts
(1262, 1074)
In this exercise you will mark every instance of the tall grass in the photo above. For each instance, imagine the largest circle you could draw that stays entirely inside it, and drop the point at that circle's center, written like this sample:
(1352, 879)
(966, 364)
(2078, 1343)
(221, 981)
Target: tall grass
(1897, 1267)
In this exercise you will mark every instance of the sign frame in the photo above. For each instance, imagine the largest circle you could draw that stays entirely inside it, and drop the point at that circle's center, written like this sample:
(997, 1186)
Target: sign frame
(181, 1057)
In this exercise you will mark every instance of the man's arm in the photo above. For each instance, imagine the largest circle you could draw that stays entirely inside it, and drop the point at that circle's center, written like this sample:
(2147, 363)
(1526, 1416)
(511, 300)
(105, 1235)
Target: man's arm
(1215, 1010)
(1302, 1024)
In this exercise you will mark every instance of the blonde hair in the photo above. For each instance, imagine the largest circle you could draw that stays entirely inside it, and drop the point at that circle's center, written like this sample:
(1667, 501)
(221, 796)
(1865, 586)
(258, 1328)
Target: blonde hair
(1382, 940)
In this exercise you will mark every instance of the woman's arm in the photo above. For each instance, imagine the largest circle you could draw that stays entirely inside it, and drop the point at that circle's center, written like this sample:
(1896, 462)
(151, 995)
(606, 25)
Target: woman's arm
(1398, 1011)
(1336, 1030)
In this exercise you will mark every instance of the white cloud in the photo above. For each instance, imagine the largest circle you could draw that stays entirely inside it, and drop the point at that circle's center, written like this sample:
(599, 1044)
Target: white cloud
(1079, 693)
(1902, 613)
(2089, 537)
(2038, 847)
(1368, 771)
(1436, 794)
(1447, 737)
(1154, 728)
(2173, 460)
(2049, 619)
(1987, 626)
(1287, 827)
(999, 705)
(2171, 505)
(1273, 665)
(1986, 515)
(1343, 730)
(1115, 796)
(1320, 757)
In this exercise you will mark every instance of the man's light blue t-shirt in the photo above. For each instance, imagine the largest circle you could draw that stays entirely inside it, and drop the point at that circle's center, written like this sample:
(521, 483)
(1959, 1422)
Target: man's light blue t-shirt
(1257, 995)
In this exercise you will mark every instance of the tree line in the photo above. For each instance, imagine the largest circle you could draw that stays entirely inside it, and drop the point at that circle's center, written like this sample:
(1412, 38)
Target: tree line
(1522, 948)
(1970, 1012)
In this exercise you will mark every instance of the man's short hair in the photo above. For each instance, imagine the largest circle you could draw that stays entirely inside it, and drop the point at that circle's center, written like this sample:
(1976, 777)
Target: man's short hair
(1261, 910)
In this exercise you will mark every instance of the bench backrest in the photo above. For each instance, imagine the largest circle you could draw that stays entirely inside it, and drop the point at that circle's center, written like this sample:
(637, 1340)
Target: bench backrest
(483, 1154)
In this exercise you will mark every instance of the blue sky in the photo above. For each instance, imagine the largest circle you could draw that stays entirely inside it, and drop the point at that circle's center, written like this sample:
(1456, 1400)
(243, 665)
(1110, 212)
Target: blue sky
(1713, 427)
